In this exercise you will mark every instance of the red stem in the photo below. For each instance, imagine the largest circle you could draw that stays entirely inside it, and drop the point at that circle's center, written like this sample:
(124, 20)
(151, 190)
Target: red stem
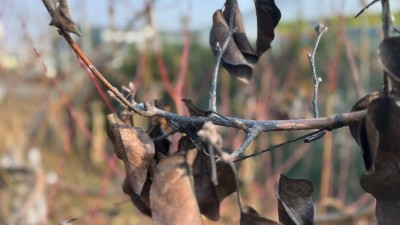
(184, 62)
(164, 74)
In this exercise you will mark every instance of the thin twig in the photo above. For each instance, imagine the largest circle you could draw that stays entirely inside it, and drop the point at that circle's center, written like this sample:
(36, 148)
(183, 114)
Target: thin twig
(303, 137)
(254, 132)
(386, 19)
(386, 27)
(222, 161)
(227, 159)
(220, 52)
(366, 7)
(320, 30)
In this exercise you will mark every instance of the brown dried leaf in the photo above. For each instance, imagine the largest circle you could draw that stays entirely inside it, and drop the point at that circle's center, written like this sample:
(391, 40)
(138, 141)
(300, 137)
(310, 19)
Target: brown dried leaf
(62, 19)
(389, 57)
(193, 109)
(250, 216)
(365, 138)
(232, 59)
(384, 185)
(383, 127)
(142, 201)
(135, 148)
(206, 193)
(240, 36)
(268, 16)
(359, 131)
(382, 141)
(185, 144)
(361, 105)
(294, 201)
(162, 146)
(209, 196)
(172, 195)
(379, 132)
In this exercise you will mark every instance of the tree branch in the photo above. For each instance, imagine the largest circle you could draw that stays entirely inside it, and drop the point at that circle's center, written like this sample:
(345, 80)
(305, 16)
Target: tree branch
(252, 127)
(220, 52)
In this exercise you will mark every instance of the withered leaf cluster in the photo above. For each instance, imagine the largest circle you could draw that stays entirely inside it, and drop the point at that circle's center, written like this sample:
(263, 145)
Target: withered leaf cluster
(173, 188)
(378, 135)
(239, 57)
(176, 187)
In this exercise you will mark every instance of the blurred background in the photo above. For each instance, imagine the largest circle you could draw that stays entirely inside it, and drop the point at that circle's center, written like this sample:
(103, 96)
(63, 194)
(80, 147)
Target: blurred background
(56, 162)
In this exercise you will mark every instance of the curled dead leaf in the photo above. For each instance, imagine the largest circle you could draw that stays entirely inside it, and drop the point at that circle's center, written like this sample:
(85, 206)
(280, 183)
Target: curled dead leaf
(383, 127)
(62, 19)
(389, 57)
(240, 36)
(384, 185)
(365, 139)
(193, 109)
(134, 147)
(359, 131)
(209, 196)
(361, 104)
(172, 195)
(142, 201)
(232, 59)
(268, 16)
(294, 201)
(379, 134)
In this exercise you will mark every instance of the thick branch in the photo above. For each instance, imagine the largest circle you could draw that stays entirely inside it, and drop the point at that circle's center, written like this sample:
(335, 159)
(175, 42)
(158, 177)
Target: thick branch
(327, 123)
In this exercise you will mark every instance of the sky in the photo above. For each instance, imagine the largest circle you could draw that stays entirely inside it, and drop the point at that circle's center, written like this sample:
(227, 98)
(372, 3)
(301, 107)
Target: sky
(168, 14)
